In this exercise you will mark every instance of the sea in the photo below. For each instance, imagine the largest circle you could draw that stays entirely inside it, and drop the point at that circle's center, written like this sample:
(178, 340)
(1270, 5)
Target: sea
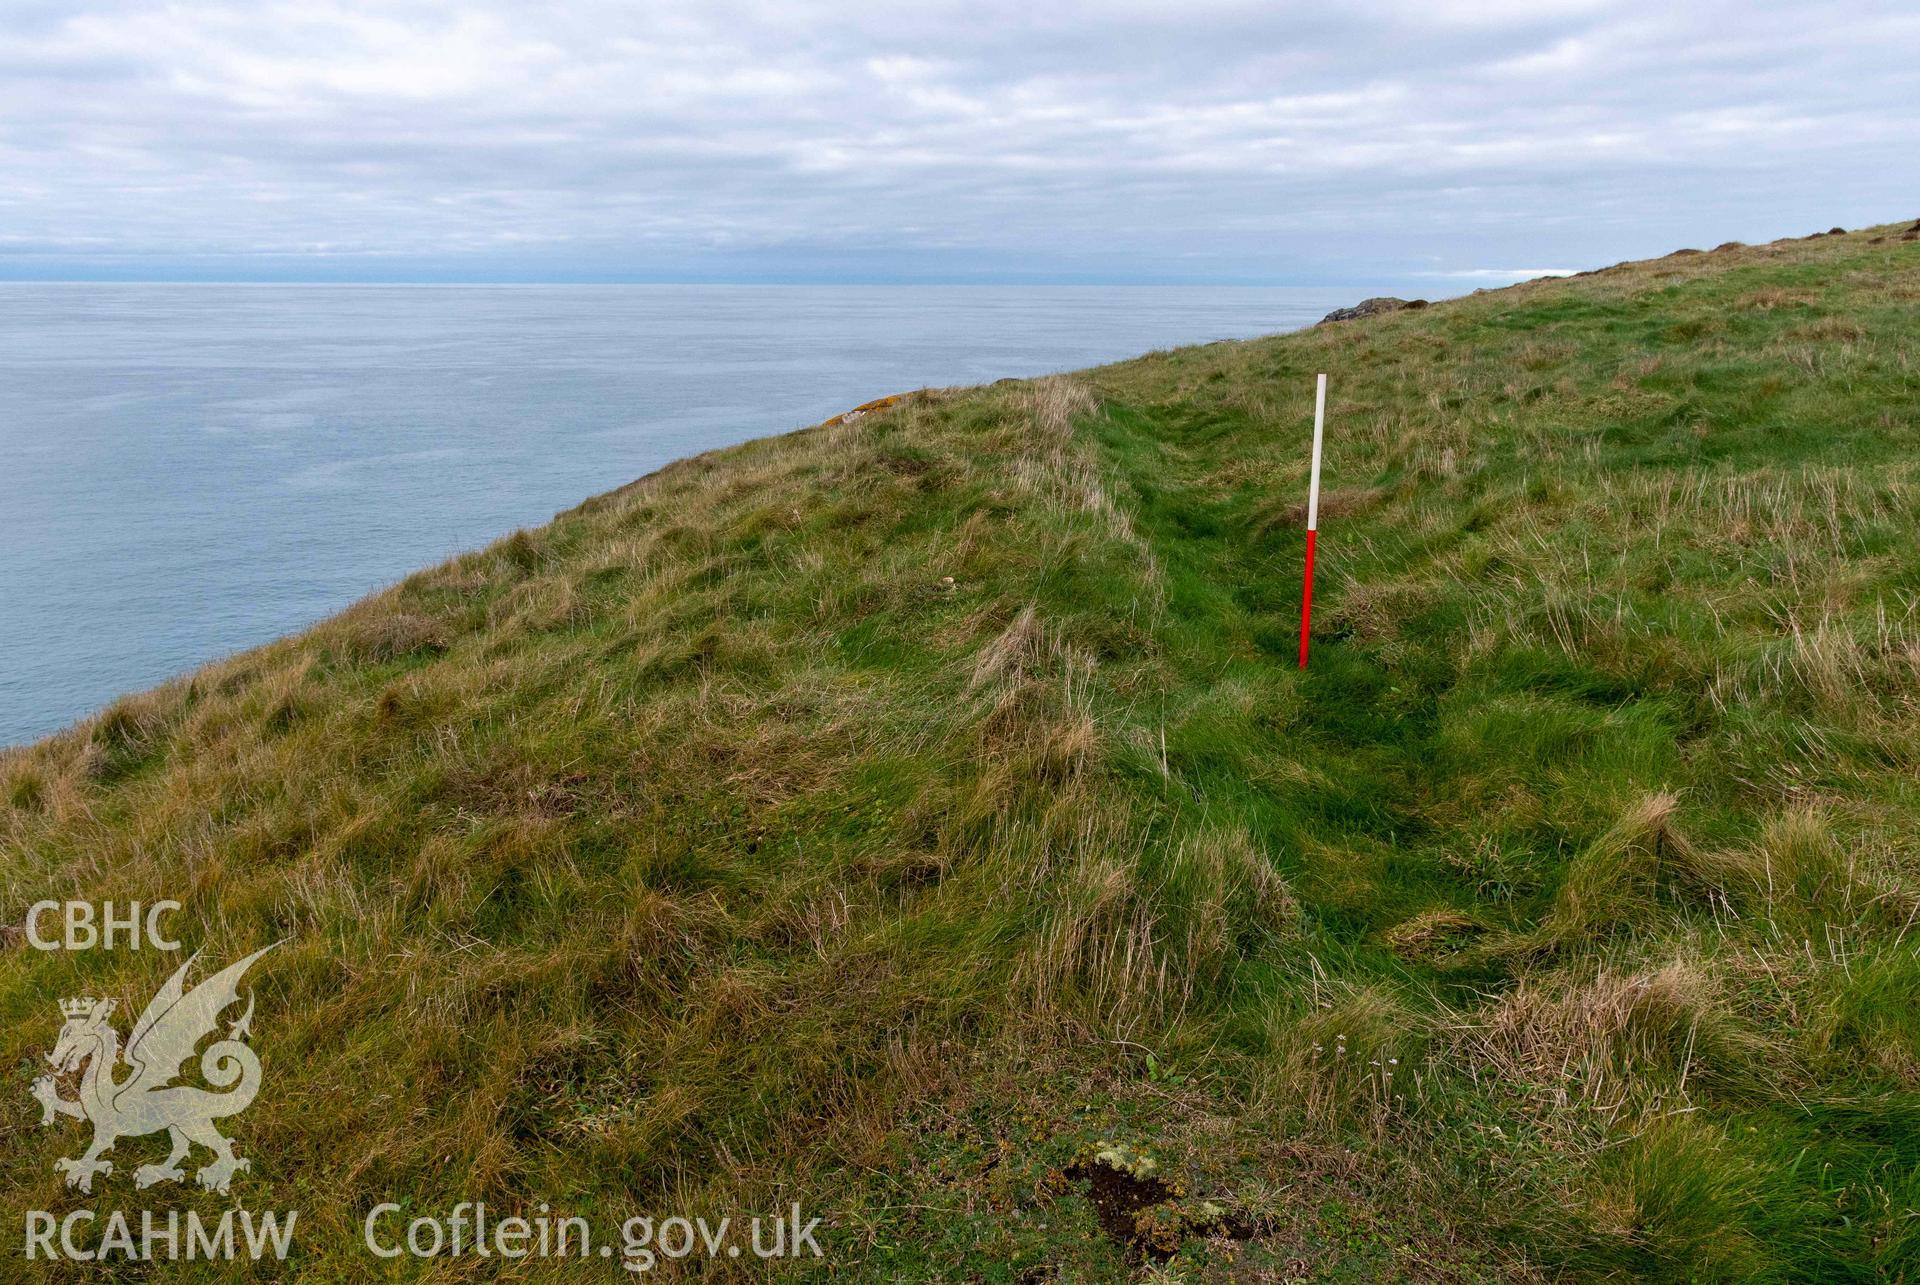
(187, 471)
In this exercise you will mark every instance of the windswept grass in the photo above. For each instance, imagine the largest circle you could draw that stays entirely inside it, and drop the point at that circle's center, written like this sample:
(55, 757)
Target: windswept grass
(894, 815)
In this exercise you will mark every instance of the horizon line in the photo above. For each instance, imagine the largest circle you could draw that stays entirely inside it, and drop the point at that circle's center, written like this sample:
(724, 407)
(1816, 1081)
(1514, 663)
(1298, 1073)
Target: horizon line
(1251, 283)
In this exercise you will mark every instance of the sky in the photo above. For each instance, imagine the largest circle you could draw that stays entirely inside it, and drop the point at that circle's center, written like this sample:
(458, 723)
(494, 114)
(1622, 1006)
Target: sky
(1056, 141)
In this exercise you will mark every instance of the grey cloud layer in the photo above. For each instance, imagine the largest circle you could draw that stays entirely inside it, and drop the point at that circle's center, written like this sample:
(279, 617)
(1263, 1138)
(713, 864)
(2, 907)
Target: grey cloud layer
(1111, 139)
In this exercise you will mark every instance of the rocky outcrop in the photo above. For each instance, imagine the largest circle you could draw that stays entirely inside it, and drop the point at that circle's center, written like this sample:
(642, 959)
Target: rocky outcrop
(1372, 308)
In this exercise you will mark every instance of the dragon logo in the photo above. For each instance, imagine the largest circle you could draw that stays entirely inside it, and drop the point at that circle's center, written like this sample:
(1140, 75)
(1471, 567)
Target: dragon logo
(151, 1098)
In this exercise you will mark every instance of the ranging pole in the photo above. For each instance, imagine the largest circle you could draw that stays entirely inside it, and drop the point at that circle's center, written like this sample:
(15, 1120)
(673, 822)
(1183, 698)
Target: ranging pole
(1313, 511)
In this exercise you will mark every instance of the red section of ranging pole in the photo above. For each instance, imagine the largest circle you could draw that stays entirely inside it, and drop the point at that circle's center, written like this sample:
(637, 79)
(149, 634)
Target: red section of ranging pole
(1313, 511)
(1306, 600)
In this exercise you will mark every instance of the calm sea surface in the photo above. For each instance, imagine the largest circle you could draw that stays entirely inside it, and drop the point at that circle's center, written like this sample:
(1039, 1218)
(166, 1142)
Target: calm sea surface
(186, 471)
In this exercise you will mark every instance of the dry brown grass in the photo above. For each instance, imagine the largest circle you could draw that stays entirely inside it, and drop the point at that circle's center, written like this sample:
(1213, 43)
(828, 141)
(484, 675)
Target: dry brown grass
(1593, 1041)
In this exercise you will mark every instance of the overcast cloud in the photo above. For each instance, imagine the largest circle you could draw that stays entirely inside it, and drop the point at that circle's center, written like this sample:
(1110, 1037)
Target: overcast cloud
(843, 141)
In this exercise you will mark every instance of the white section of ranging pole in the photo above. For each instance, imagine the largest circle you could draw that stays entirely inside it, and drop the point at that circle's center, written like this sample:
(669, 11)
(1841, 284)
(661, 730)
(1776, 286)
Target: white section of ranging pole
(1319, 430)
(1313, 518)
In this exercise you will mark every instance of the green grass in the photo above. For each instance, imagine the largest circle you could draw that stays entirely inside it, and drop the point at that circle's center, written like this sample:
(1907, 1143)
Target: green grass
(892, 815)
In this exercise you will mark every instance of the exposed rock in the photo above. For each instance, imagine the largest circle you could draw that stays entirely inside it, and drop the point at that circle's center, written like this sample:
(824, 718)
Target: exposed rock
(867, 408)
(1836, 231)
(1372, 308)
(1912, 233)
(1730, 245)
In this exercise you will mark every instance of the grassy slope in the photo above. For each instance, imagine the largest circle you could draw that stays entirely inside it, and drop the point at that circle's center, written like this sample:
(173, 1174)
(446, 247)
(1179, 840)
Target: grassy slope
(709, 848)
